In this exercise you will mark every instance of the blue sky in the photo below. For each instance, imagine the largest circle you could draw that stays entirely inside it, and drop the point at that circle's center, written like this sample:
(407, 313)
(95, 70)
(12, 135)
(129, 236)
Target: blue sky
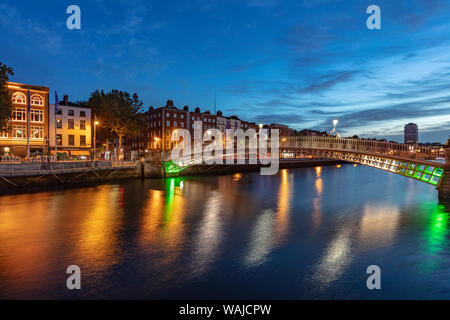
(300, 63)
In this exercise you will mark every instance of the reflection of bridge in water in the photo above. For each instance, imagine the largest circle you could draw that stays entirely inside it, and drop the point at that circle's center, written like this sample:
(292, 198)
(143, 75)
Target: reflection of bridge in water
(409, 161)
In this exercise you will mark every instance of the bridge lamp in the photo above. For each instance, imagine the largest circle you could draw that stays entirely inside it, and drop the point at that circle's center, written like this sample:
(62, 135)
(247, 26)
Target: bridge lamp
(335, 122)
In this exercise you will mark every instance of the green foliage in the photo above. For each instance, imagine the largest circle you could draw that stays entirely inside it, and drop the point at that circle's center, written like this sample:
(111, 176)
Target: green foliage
(5, 96)
(118, 112)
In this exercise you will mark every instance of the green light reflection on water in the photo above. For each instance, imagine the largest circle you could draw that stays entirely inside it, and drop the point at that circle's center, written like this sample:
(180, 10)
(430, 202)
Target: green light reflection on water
(172, 188)
(435, 236)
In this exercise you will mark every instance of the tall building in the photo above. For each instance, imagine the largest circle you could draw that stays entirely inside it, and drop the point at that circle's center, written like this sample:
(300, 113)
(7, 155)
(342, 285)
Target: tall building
(73, 129)
(13, 141)
(162, 122)
(411, 134)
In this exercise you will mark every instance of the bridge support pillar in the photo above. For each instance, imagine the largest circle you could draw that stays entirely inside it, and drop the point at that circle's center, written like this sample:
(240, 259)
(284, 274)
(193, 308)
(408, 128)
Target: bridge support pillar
(444, 188)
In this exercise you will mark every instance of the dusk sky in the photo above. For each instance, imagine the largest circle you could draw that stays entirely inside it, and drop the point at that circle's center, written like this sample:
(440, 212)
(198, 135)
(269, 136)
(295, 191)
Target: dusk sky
(300, 63)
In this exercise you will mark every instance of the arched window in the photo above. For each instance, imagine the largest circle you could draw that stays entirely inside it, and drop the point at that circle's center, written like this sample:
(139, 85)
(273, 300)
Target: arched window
(37, 100)
(19, 98)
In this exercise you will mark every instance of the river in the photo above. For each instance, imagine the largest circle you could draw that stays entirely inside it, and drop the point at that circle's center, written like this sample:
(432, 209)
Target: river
(306, 233)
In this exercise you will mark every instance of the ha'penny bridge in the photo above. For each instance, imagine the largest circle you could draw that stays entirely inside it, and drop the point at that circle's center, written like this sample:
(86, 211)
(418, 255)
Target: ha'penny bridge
(414, 162)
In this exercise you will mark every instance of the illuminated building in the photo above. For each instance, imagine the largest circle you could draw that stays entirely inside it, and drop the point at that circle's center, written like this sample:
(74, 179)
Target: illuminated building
(73, 129)
(411, 134)
(13, 141)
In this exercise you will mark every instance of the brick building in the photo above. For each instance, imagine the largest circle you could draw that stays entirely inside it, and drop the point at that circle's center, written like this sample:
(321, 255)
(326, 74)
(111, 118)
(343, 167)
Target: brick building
(13, 140)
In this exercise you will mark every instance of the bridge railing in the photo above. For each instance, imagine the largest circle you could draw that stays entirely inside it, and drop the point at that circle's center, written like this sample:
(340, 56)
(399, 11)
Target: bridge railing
(30, 169)
(360, 145)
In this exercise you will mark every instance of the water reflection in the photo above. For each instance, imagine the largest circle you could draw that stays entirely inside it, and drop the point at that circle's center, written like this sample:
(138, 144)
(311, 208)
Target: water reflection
(272, 227)
(317, 213)
(435, 236)
(334, 260)
(96, 245)
(24, 240)
(261, 240)
(177, 236)
(379, 226)
(209, 234)
(283, 210)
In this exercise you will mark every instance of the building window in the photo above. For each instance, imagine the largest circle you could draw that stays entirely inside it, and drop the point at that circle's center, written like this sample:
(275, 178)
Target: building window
(71, 124)
(37, 115)
(82, 125)
(59, 123)
(19, 98)
(168, 123)
(36, 100)
(82, 113)
(82, 141)
(182, 124)
(36, 133)
(58, 111)
(71, 113)
(71, 140)
(19, 114)
(18, 131)
(168, 115)
(182, 116)
(59, 139)
(4, 134)
(174, 123)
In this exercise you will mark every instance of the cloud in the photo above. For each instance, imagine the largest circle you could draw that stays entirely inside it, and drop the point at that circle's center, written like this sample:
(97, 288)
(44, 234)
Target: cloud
(329, 81)
(34, 31)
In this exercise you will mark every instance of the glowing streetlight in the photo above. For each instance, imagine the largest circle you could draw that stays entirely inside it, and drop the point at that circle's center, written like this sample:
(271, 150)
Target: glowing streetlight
(335, 122)
(96, 123)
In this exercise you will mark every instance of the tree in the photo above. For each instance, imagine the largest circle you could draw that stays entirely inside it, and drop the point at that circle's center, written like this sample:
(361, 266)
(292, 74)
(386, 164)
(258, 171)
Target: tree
(119, 113)
(5, 96)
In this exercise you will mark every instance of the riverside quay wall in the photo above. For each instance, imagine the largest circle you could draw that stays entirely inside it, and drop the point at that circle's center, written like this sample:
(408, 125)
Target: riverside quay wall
(20, 177)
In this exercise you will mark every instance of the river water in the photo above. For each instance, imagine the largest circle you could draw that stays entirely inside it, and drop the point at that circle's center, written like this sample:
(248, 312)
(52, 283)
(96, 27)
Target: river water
(306, 233)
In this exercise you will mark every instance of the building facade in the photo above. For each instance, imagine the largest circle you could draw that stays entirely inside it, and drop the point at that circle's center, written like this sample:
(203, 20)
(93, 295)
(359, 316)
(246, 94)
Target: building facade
(72, 125)
(411, 134)
(14, 140)
(163, 121)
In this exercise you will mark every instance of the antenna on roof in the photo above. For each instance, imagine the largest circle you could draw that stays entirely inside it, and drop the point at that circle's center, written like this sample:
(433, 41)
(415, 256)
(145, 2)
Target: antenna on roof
(214, 100)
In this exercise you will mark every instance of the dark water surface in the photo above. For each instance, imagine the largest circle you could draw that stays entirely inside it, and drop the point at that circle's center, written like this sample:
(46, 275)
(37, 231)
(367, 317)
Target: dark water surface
(304, 233)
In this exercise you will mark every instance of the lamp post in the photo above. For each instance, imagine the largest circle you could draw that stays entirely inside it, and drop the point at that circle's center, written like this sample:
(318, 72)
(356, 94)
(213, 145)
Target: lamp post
(95, 135)
(335, 122)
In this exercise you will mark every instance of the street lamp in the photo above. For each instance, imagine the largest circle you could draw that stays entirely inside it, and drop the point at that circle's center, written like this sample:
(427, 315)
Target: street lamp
(96, 123)
(335, 122)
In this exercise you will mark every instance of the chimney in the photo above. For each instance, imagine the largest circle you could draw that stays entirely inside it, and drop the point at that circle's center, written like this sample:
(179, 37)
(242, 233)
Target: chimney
(186, 108)
(169, 103)
(66, 100)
